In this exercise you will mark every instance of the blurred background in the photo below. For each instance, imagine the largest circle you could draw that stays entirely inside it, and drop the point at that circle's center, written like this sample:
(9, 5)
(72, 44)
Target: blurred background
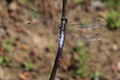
(29, 34)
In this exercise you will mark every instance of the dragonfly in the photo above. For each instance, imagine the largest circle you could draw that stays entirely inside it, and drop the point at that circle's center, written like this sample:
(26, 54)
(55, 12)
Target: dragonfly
(79, 31)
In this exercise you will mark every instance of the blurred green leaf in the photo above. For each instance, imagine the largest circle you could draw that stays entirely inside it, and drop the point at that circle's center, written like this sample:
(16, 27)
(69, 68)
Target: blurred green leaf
(51, 46)
(84, 58)
(96, 75)
(5, 60)
(78, 1)
(83, 71)
(24, 1)
(112, 4)
(28, 66)
(11, 40)
(7, 46)
(81, 50)
(1, 59)
(113, 19)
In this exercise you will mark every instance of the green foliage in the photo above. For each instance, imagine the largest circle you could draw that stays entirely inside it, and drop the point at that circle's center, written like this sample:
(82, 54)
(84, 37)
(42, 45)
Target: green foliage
(112, 4)
(5, 60)
(96, 75)
(28, 66)
(113, 19)
(24, 1)
(82, 69)
(27, 1)
(8, 45)
(77, 1)
(51, 46)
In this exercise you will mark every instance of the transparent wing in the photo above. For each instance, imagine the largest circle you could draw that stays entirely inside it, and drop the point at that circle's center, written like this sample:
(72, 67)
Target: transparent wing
(86, 25)
(39, 21)
(76, 33)
(75, 30)
(86, 37)
(76, 25)
(85, 31)
(43, 19)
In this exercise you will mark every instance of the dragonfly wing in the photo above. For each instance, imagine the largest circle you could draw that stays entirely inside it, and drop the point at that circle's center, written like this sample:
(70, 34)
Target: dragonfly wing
(86, 25)
(86, 38)
(42, 18)
(42, 21)
(91, 37)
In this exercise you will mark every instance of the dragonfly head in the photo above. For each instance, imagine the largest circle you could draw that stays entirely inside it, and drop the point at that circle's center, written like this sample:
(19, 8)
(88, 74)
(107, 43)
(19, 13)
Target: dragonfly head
(64, 18)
